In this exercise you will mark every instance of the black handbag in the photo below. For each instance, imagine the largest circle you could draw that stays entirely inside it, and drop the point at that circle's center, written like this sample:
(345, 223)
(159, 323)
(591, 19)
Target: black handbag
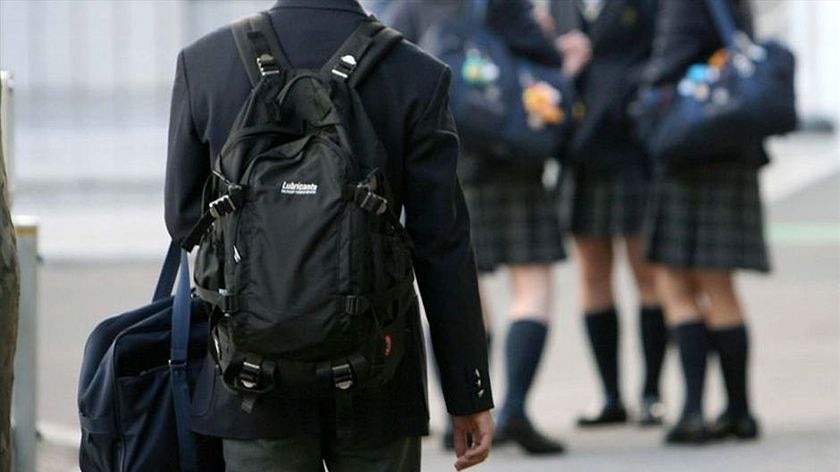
(494, 92)
(135, 383)
(742, 96)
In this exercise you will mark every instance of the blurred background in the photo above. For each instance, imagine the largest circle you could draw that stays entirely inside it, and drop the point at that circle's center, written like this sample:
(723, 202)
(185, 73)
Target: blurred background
(91, 82)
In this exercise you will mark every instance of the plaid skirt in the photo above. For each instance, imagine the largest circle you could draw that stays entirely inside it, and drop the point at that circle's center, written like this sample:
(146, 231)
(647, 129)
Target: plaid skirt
(603, 204)
(707, 218)
(513, 222)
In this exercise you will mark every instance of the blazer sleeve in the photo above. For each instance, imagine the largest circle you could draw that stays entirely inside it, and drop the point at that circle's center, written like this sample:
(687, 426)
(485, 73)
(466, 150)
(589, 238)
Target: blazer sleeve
(187, 164)
(437, 220)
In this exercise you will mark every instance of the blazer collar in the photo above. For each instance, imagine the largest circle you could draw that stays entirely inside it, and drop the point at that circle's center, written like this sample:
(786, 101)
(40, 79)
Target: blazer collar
(343, 5)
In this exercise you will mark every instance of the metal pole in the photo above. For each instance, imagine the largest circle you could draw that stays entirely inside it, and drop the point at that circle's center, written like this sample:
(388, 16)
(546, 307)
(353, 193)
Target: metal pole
(6, 130)
(24, 393)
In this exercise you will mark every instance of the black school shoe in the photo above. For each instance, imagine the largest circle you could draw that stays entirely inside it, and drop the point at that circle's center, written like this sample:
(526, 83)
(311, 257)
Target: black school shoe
(690, 430)
(611, 413)
(744, 427)
(652, 412)
(522, 432)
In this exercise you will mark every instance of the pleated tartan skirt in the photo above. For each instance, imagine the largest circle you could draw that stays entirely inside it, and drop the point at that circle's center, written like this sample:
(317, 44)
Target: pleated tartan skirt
(603, 204)
(708, 217)
(513, 222)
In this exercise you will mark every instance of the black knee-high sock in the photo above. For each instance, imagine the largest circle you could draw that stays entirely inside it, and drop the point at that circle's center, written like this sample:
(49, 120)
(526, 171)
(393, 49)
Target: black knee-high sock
(602, 327)
(692, 339)
(654, 341)
(732, 346)
(523, 350)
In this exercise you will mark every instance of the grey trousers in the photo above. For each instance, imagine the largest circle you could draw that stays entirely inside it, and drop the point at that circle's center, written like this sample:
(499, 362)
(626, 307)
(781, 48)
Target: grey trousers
(311, 453)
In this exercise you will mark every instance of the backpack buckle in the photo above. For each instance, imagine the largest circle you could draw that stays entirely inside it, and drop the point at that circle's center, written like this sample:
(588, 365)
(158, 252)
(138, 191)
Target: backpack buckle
(372, 202)
(345, 66)
(221, 206)
(355, 305)
(228, 302)
(342, 376)
(267, 65)
(249, 375)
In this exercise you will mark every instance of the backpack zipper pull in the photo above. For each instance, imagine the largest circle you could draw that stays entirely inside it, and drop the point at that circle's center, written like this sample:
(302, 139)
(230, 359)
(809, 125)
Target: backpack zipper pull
(236, 257)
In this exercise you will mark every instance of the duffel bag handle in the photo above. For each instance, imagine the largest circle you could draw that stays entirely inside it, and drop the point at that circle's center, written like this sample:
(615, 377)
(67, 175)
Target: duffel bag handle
(178, 359)
(168, 273)
(176, 265)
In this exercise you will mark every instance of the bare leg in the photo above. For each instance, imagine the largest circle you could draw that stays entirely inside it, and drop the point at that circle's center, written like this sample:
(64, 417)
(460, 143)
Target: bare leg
(642, 272)
(595, 258)
(531, 292)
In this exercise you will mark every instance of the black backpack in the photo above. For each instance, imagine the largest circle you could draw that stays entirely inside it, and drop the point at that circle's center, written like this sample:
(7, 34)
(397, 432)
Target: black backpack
(300, 252)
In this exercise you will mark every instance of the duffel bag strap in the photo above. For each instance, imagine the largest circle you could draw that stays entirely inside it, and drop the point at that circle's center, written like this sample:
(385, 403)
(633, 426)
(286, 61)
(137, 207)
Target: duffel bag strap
(178, 358)
(168, 273)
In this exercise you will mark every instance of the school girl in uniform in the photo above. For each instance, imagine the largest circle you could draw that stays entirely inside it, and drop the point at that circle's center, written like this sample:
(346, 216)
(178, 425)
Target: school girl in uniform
(513, 219)
(604, 193)
(705, 222)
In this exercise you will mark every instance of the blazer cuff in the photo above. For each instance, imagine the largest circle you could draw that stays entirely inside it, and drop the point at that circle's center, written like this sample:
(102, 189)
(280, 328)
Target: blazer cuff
(471, 394)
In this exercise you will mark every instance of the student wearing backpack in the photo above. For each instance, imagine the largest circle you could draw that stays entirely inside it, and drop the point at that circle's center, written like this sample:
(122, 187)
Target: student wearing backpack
(604, 191)
(394, 118)
(705, 221)
(513, 219)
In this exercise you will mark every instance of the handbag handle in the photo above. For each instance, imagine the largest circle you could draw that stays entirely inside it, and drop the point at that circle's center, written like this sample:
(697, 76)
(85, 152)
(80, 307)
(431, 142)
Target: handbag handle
(724, 22)
(476, 12)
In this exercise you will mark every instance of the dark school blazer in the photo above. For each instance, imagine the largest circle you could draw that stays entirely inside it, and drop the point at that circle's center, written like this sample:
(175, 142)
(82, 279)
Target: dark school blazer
(407, 100)
(621, 37)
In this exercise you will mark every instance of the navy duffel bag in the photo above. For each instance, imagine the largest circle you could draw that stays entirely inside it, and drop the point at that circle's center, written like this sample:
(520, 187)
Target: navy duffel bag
(741, 97)
(134, 387)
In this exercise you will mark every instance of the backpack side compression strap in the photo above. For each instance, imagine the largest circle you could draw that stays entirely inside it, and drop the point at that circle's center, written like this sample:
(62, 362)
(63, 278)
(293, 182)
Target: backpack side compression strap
(259, 50)
(361, 52)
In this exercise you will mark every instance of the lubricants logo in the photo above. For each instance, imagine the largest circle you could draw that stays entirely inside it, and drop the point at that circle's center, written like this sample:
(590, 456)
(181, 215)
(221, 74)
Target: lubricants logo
(298, 188)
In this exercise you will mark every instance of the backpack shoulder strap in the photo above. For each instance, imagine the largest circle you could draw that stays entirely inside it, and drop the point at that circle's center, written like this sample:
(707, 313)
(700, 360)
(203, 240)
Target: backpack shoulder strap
(361, 52)
(259, 50)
